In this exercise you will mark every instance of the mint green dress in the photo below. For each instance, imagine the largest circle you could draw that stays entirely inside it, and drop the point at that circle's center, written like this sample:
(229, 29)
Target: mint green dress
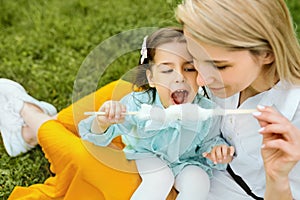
(179, 143)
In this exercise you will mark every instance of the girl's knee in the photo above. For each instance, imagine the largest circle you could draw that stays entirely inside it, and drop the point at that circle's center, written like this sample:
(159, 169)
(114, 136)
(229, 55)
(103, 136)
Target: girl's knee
(166, 178)
(193, 178)
(194, 172)
(162, 178)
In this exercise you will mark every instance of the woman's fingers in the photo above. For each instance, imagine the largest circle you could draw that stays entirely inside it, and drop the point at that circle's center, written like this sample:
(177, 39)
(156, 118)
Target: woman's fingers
(277, 130)
(267, 115)
(272, 122)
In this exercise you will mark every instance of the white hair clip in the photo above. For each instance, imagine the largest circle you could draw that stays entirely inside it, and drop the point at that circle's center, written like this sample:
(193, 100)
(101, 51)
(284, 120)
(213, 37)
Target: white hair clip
(144, 50)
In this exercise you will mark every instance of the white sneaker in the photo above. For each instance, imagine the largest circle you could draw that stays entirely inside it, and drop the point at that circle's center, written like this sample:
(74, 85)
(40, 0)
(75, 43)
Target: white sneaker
(12, 89)
(12, 98)
(11, 126)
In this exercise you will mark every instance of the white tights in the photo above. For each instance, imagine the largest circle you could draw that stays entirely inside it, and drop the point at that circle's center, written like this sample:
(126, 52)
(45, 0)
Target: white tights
(158, 179)
(192, 183)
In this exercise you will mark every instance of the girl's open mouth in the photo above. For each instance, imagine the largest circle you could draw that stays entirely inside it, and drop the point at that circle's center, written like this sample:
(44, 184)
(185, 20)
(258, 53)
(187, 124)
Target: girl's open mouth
(180, 96)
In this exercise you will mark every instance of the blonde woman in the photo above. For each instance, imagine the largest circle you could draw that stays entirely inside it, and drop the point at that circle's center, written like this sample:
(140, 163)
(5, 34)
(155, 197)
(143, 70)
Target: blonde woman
(248, 56)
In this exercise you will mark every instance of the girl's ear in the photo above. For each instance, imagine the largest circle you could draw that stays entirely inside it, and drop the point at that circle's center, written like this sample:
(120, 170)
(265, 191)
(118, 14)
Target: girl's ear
(149, 78)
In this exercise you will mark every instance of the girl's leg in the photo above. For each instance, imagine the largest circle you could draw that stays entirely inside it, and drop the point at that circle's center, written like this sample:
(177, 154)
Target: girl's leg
(192, 183)
(157, 180)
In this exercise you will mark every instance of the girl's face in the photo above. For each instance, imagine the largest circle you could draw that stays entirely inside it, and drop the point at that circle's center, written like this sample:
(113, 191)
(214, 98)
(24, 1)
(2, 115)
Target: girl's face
(227, 72)
(173, 74)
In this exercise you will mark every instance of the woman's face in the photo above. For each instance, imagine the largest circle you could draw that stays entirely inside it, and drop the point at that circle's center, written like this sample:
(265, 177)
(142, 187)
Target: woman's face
(173, 74)
(223, 71)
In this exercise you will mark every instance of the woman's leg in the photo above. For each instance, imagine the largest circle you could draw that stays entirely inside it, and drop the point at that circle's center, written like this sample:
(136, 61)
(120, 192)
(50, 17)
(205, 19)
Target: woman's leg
(157, 179)
(192, 183)
(79, 167)
(33, 117)
(78, 174)
(83, 170)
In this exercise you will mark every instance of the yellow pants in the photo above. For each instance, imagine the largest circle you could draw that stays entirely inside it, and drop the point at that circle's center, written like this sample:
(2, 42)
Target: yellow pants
(83, 170)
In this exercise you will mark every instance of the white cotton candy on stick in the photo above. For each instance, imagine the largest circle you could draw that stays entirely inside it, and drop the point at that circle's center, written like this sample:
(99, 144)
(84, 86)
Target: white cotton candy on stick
(145, 112)
(174, 112)
(192, 112)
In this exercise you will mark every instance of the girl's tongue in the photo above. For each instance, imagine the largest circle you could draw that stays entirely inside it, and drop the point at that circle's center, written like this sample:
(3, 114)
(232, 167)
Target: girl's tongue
(179, 96)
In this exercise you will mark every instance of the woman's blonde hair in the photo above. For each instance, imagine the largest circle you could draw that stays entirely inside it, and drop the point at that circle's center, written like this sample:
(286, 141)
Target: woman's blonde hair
(254, 25)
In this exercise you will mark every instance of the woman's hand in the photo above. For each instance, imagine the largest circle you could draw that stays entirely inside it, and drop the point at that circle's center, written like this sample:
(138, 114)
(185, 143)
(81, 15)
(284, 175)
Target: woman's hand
(113, 114)
(220, 154)
(280, 150)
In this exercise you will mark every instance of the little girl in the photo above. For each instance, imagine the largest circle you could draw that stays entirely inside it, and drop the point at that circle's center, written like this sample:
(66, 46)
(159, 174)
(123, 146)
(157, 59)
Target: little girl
(169, 153)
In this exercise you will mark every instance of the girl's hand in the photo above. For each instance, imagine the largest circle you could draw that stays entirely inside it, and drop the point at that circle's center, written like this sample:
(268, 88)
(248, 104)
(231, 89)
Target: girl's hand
(281, 143)
(220, 154)
(113, 115)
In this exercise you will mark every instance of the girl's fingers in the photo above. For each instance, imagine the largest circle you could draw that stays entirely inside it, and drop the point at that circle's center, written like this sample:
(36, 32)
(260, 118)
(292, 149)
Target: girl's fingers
(123, 108)
(219, 154)
(113, 110)
(213, 156)
(118, 110)
(225, 152)
(231, 151)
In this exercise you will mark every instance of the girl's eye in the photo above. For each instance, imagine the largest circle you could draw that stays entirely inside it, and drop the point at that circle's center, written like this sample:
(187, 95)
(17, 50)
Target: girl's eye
(165, 71)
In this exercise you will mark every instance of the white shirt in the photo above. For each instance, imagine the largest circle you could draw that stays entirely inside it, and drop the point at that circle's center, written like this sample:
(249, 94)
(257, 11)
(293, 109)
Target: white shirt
(242, 132)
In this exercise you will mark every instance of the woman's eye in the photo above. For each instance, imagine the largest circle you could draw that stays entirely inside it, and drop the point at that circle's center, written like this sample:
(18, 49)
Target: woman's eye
(221, 67)
(189, 67)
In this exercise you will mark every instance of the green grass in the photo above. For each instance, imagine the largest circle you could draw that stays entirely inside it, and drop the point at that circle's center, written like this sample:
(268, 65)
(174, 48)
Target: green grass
(43, 44)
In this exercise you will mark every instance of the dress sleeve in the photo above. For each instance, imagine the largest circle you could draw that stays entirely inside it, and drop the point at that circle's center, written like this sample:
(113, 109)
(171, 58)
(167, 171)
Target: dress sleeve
(113, 131)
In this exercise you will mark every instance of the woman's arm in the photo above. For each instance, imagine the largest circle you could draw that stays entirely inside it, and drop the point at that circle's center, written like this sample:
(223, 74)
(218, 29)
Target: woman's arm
(280, 151)
(277, 188)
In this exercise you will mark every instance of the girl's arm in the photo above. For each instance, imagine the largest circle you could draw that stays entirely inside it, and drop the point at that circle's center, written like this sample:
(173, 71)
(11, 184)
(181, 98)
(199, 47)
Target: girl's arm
(280, 151)
(110, 126)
